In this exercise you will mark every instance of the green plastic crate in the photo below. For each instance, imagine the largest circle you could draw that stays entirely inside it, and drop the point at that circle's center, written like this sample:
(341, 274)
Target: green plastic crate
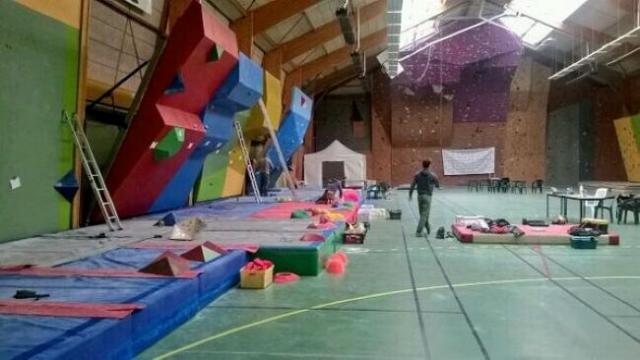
(584, 242)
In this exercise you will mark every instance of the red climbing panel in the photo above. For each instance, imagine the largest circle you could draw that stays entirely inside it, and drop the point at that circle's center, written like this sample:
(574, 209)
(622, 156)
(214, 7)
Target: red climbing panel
(199, 54)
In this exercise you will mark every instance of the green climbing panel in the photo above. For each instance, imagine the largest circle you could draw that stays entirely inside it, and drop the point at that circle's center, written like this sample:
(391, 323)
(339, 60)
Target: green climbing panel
(170, 144)
(635, 126)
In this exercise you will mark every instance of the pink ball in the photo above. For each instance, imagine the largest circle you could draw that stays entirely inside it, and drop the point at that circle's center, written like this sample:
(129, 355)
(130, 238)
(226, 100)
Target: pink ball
(334, 266)
(342, 256)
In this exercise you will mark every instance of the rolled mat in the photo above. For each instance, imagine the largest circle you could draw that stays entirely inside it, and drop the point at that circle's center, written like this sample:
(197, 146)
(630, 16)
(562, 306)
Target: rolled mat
(62, 309)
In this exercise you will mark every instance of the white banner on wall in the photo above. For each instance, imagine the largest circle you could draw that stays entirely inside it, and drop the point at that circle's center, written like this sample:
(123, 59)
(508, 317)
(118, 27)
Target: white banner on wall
(469, 161)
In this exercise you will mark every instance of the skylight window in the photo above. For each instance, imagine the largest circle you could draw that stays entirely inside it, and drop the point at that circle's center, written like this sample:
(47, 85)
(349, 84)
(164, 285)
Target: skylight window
(415, 25)
(552, 12)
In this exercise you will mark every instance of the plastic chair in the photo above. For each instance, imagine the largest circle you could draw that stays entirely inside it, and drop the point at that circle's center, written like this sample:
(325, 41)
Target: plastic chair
(628, 204)
(472, 184)
(593, 205)
(602, 207)
(505, 184)
(494, 185)
(537, 185)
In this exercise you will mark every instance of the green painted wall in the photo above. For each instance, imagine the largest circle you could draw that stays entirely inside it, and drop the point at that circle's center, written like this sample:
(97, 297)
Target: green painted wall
(635, 125)
(38, 77)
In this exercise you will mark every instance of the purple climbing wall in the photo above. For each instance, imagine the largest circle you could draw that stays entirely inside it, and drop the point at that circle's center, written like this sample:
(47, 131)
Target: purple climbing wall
(474, 68)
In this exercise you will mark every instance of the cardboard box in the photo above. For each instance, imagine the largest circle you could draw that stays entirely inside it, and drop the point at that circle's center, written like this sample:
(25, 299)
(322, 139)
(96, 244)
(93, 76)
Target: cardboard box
(256, 279)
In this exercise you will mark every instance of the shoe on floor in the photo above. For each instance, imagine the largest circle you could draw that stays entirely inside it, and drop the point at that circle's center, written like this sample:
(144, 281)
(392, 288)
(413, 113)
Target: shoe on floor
(419, 234)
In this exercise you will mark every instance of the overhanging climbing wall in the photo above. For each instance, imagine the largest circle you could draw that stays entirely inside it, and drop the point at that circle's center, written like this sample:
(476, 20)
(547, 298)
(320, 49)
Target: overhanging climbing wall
(292, 129)
(240, 91)
(473, 70)
(626, 129)
(200, 53)
(291, 132)
(39, 52)
(273, 101)
(235, 169)
(223, 173)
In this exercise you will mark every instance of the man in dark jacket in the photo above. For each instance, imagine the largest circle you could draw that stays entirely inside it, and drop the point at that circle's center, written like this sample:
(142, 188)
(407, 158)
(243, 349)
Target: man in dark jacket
(425, 181)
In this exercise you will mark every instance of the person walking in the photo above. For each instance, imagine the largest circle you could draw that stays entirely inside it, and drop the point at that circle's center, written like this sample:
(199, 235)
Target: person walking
(424, 181)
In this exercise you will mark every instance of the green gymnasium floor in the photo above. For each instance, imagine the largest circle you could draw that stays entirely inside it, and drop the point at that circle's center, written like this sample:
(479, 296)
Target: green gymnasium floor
(404, 297)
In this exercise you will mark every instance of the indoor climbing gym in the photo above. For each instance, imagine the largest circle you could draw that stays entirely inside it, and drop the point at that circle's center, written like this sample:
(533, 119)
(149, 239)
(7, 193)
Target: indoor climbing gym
(320, 179)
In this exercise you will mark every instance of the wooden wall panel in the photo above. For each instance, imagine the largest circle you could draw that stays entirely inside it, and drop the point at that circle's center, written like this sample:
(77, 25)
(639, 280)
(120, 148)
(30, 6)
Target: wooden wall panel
(420, 118)
(380, 128)
(525, 131)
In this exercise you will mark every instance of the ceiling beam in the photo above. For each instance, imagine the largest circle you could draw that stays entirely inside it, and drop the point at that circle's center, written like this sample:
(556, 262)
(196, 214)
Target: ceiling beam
(329, 31)
(340, 77)
(335, 58)
(262, 18)
(327, 63)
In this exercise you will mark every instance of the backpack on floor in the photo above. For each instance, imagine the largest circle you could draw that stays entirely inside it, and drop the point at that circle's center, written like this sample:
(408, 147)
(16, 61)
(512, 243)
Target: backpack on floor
(440, 233)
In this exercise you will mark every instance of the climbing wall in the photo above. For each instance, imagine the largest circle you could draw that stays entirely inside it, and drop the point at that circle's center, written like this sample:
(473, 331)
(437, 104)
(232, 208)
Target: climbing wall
(221, 174)
(380, 128)
(39, 52)
(519, 141)
(629, 147)
(292, 130)
(235, 173)
(525, 131)
(240, 92)
(473, 69)
(273, 101)
(607, 105)
(421, 117)
(635, 126)
(199, 55)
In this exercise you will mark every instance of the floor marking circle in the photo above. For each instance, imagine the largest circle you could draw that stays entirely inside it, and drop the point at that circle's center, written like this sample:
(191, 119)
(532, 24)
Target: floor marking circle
(379, 295)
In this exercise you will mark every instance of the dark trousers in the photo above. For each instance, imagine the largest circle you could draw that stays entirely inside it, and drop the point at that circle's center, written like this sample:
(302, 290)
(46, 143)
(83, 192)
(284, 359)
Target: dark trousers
(424, 206)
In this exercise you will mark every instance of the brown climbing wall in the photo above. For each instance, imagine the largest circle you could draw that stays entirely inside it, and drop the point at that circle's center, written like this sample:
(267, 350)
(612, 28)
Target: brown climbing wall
(523, 155)
(380, 158)
(420, 118)
(608, 163)
(406, 161)
(520, 142)
(408, 126)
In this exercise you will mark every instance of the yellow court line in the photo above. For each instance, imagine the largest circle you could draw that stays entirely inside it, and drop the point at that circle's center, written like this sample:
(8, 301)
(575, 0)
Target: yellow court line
(373, 296)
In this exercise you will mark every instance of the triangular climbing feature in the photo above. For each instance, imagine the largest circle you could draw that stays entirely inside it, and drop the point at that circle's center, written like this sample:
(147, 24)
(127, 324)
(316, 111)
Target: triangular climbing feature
(203, 253)
(67, 186)
(170, 144)
(217, 248)
(216, 53)
(167, 220)
(176, 86)
(167, 264)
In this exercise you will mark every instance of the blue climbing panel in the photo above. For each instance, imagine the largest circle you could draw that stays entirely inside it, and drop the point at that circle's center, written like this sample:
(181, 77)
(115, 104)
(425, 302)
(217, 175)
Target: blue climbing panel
(240, 91)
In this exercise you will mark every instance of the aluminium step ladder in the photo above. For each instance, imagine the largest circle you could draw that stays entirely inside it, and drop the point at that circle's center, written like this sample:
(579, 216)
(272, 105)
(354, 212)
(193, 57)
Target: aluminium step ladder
(247, 160)
(92, 170)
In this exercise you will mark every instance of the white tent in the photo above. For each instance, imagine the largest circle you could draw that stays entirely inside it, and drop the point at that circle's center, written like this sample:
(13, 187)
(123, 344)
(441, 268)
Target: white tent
(355, 164)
